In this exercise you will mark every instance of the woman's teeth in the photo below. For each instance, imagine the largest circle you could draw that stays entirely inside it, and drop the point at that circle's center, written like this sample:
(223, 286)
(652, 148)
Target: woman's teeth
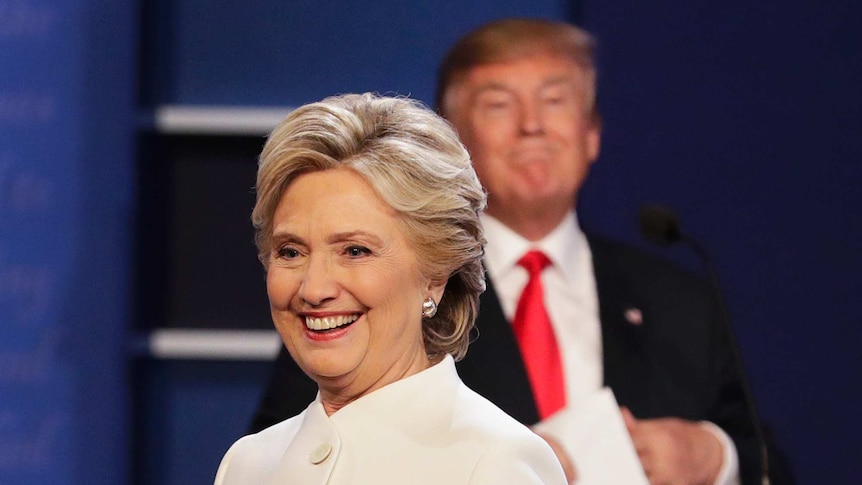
(326, 323)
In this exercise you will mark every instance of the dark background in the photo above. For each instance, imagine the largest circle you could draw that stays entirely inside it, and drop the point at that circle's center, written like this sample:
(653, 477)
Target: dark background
(744, 116)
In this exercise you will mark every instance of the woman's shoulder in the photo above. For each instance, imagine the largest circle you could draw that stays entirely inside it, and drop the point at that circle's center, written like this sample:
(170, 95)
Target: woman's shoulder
(480, 415)
(257, 453)
(278, 432)
(512, 453)
(484, 421)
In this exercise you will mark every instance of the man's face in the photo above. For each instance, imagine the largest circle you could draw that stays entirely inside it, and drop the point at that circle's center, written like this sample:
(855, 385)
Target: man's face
(529, 132)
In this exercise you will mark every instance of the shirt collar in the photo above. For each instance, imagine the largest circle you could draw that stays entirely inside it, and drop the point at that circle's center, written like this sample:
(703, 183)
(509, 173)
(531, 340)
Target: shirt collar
(427, 396)
(505, 246)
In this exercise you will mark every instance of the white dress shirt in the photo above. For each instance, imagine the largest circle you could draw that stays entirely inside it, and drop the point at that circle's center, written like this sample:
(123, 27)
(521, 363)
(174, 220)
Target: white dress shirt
(573, 306)
(425, 429)
(570, 295)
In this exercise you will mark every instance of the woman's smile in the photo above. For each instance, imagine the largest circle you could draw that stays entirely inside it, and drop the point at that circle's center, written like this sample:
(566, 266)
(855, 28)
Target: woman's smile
(329, 328)
(320, 324)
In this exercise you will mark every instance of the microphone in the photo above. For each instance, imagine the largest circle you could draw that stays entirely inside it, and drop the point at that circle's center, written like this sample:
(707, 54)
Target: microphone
(660, 225)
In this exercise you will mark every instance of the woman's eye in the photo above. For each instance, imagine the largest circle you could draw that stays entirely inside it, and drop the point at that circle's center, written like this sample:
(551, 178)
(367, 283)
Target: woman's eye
(357, 251)
(288, 253)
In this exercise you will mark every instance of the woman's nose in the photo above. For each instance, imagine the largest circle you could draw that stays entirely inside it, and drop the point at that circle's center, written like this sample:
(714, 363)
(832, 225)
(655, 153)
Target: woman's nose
(318, 284)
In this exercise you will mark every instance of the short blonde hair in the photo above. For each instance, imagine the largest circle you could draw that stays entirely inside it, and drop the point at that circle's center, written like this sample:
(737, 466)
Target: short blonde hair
(413, 160)
(512, 39)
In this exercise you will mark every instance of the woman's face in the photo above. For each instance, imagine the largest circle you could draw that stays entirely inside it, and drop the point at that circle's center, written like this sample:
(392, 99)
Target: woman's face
(344, 286)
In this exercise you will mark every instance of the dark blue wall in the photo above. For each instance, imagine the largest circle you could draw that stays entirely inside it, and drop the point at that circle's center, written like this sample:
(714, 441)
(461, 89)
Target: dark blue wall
(746, 117)
(290, 54)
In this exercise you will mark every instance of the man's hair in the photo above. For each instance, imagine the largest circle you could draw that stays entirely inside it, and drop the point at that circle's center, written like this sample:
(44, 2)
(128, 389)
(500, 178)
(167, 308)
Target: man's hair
(512, 39)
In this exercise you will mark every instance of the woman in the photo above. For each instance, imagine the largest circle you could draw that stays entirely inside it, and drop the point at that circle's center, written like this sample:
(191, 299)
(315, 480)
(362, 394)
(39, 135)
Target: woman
(367, 225)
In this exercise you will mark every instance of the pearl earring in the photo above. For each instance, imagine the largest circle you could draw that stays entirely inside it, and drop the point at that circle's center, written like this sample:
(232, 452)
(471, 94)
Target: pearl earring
(429, 308)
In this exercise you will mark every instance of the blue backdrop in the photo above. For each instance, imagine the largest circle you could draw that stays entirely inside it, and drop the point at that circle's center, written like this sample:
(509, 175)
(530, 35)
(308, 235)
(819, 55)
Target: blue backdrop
(66, 112)
(746, 118)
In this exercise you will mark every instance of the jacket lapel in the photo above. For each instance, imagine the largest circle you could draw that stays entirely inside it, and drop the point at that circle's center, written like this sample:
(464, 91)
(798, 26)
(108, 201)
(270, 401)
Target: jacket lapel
(624, 327)
(493, 366)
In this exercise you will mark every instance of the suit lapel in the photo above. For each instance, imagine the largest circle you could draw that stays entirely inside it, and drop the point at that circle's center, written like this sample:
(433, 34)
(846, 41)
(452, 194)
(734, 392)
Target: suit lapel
(493, 366)
(623, 327)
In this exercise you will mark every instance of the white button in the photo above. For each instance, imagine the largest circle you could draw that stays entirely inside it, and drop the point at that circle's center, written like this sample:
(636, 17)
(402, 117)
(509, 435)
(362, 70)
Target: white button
(321, 453)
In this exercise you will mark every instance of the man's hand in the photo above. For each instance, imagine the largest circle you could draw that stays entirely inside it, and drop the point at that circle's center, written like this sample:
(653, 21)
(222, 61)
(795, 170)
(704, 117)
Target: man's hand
(568, 466)
(674, 451)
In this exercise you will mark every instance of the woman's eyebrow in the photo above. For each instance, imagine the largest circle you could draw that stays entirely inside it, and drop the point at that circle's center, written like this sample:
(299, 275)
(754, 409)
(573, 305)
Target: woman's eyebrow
(352, 235)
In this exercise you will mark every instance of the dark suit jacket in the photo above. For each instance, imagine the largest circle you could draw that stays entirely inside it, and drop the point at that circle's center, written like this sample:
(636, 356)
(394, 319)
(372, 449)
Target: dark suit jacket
(678, 362)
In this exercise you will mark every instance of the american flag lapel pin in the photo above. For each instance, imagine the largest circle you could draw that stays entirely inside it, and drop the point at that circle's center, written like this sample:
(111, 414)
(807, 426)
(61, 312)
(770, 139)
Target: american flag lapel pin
(634, 316)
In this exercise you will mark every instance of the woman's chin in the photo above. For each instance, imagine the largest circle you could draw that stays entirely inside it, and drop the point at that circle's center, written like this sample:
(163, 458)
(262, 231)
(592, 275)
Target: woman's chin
(331, 368)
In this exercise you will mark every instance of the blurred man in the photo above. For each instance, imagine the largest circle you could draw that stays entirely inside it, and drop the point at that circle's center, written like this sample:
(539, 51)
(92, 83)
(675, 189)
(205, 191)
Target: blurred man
(522, 95)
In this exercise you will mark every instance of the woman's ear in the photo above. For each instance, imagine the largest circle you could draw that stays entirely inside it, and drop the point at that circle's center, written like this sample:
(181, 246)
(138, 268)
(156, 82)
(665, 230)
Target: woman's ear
(436, 290)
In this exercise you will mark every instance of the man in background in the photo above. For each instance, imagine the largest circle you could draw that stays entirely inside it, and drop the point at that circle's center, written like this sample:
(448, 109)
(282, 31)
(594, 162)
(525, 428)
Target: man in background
(567, 313)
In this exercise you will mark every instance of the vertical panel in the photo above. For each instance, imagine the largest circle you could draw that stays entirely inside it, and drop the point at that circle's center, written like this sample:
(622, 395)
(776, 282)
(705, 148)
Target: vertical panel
(62, 297)
(38, 198)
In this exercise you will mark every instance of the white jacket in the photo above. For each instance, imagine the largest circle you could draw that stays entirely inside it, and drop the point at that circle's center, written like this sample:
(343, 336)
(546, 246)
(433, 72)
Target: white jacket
(428, 428)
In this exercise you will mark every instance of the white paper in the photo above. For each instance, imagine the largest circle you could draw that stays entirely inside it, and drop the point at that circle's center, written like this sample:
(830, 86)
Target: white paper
(594, 434)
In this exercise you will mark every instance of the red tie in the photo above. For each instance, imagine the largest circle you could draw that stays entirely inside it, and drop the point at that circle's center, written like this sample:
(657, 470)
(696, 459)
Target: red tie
(536, 338)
